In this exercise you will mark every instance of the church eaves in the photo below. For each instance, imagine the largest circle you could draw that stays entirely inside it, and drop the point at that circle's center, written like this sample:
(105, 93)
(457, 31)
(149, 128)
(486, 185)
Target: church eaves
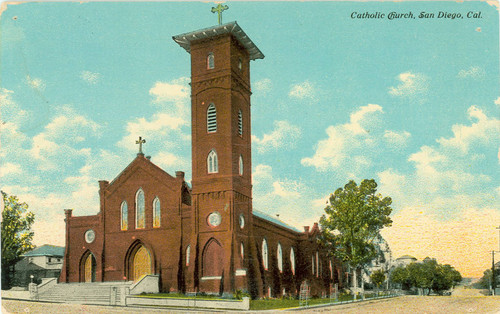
(184, 40)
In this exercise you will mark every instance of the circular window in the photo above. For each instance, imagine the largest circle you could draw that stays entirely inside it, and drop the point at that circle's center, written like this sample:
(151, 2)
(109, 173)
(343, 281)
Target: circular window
(242, 221)
(214, 219)
(89, 236)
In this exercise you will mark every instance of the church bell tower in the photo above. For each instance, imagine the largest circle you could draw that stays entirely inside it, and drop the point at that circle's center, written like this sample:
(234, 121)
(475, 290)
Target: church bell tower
(221, 156)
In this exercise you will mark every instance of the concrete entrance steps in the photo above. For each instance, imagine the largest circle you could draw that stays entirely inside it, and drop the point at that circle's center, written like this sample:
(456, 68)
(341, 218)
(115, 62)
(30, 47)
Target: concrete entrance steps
(84, 293)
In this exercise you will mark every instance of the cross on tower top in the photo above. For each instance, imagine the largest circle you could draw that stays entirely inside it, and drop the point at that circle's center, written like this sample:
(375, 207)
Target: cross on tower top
(140, 141)
(219, 9)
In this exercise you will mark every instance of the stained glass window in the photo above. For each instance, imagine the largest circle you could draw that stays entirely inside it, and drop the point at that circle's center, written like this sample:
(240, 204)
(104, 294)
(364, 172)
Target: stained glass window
(140, 215)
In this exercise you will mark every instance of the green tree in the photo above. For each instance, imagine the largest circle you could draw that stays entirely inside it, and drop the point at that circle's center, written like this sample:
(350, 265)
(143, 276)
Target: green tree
(485, 281)
(445, 278)
(16, 235)
(378, 278)
(353, 220)
(426, 276)
(422, 275)
(401, 275)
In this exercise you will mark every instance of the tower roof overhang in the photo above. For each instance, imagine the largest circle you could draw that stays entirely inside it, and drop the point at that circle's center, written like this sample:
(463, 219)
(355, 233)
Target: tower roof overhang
(184, 40)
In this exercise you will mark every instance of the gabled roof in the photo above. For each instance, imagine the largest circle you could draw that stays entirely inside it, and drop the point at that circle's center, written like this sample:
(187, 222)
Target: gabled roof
(46, 250)
(406, 257)
(184, 40)
(274, 220)
(138, 162)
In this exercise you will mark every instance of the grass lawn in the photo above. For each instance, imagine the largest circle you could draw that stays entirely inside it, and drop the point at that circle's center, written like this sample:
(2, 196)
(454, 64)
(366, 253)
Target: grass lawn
(178, 296)
(270, 304)
(266, 304)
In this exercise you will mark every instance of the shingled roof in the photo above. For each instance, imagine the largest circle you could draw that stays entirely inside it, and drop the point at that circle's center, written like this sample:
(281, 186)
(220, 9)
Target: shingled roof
(46, 250)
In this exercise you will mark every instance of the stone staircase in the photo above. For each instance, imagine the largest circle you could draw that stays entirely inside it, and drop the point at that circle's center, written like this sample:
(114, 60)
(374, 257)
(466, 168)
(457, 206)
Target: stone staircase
(102, 293)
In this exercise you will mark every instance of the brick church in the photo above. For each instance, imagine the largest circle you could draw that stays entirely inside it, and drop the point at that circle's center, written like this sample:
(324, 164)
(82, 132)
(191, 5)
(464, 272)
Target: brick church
(205, 237)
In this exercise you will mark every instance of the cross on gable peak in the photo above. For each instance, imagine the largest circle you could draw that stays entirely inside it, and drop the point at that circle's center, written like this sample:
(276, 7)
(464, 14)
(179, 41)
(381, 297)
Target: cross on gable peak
(140, 141)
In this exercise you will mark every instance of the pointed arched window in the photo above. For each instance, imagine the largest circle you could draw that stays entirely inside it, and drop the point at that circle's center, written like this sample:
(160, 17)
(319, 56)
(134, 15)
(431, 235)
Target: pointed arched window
(317, 263)
(156, 212)
(331, 269)
(212, 162)
(124, 216)
(140, 215)
(211, 119)
(265, 259)
(292, 260)
(240, 123)
(242, 250)
(241, 165)
(188, 254)
(280, 258)
(210, 61)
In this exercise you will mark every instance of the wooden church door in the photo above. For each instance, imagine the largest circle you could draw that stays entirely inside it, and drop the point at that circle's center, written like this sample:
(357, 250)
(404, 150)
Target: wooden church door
(213, 259)
(89, 268)
(142, 263)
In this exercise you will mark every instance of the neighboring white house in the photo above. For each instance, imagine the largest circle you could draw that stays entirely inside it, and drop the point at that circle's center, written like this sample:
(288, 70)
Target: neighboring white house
(405, 260)
(42, 262)
(382, 261)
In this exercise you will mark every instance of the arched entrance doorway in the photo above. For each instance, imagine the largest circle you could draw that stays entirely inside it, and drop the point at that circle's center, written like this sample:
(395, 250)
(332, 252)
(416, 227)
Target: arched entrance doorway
(213, 259)
(89, 266)
(141, 263)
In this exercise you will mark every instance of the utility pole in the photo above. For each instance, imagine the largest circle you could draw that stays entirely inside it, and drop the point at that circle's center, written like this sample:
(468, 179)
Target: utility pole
(493, 279)
(493, 275)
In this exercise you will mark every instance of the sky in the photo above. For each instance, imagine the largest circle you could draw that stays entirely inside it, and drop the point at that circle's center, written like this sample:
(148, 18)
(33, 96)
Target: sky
(412, 103)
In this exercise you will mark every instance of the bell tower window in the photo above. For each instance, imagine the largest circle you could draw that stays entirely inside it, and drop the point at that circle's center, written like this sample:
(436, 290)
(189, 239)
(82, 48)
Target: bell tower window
(211, 119)
(210, 61)
(212, 162)
(241, 165)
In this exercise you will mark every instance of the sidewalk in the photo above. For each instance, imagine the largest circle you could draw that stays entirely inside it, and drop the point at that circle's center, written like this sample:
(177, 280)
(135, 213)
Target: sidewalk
(18, 295)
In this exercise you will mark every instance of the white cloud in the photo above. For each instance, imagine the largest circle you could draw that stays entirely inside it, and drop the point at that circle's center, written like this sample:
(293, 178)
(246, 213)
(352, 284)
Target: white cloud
(286, 189)
(12, 117)
(170, 161)
(472, 72)
(10, 168)
(35, 83)
(411, 84)
(56, 144)
(10, 111)
(397, 139)
(158, 127)
(497, 101)
(485, 131)
(361, 119)
(90, 77)
(320, 202)
(283, 135)
(176, 90)
(291, 199)
(70, 127)
(345, 147)
(261, 173)
(264, 85)
(447, 208)
(304, 90)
